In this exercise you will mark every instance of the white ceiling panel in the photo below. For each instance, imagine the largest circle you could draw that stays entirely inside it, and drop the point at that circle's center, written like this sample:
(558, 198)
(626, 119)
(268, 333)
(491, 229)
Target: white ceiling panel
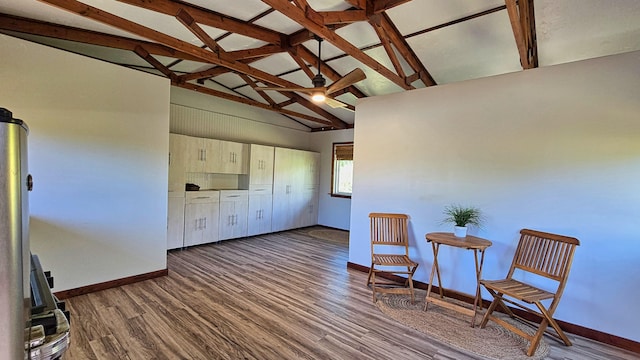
(473, 49)
(239, 9)
(572, 30)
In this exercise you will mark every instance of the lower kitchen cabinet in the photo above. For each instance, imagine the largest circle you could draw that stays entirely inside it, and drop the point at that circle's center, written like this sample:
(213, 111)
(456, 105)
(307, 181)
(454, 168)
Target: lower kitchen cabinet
(201, 217)
(234, 206)
(260, 204)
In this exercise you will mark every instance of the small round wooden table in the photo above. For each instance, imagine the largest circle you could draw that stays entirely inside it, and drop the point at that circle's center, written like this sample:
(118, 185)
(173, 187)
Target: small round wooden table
(470, 243)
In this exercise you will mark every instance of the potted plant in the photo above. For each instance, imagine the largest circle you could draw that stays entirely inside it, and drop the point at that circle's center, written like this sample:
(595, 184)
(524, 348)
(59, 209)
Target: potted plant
(461, 217)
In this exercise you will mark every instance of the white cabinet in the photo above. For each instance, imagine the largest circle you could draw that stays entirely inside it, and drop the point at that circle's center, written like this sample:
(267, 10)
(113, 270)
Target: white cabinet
(201, 217)
(177, 161)
(260, 204)
(234, 207)
(233, 158)
(295, 190)
(175, 220)
(309, 209)
(261, 165)
(203, 155)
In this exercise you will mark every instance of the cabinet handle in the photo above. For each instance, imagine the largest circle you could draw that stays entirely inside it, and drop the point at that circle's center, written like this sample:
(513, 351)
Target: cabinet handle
(234, 196)
(205, 223)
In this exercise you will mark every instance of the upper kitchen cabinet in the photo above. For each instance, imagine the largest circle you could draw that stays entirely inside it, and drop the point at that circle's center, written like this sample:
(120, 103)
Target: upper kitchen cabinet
(233, 158)
(177, 161)
(203, 155)
(261, 165)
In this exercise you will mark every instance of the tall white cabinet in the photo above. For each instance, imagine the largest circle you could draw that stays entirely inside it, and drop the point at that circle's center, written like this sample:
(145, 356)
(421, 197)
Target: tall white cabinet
(260, 186)
(295, 189)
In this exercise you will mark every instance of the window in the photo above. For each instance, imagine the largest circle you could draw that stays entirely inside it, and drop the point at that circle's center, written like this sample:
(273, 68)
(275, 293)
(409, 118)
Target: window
(342, 171)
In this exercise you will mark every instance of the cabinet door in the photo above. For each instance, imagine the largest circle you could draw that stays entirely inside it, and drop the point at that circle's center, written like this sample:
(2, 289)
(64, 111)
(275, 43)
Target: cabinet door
(283, 170)
(233, 157)
(175, 221)
(309, 210)
(261, 165)
(211, 229)
(212, 152)
(177, 161)
(194, 223)
(196, 155)
(259, 215)
(284, 215)
(311, 168)
(234, 205)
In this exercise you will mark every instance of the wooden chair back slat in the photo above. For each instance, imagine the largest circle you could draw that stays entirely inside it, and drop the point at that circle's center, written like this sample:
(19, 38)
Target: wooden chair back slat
(544, 254)
(389, 229)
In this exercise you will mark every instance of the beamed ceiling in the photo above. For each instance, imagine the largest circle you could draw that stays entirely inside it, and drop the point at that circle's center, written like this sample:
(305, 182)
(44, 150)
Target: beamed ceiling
(227, 49)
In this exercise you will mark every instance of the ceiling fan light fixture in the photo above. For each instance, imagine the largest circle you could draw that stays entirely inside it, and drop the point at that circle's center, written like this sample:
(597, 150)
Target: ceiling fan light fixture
(318, 96)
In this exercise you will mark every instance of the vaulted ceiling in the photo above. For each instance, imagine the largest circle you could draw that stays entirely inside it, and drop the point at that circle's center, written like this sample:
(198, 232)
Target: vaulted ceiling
(228, 49)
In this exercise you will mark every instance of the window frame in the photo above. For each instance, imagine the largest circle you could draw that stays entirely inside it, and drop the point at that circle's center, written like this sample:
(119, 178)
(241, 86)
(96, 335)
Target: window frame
(332, 193)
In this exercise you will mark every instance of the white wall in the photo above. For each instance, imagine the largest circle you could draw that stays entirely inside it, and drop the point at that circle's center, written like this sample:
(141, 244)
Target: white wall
(197, 114)
(555, 149)
(97, 151)
(333, 211)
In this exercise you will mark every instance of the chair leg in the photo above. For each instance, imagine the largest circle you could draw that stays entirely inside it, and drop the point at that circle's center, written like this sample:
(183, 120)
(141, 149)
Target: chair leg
(548, 316)
(370, 272)
(535, 340)
(485, 318)
(373, 285)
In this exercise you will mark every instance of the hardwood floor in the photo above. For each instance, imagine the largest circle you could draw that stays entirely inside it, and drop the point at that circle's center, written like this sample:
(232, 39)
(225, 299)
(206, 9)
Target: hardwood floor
(278, 296)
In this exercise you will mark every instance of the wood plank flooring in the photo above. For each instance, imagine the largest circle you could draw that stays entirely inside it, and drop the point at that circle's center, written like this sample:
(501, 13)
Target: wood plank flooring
(279, 296)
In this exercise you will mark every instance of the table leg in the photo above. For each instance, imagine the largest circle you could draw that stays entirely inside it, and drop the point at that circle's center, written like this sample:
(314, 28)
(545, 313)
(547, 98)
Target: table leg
(434, 270)
(478, 300)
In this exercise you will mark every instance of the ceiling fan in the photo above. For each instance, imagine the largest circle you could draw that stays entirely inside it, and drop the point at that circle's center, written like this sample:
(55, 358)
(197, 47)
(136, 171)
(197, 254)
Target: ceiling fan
(319, 91)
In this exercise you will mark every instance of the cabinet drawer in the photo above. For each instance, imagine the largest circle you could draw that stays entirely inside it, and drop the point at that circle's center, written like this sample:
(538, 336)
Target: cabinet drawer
(260, 189)
(233, 195)
(202, 197)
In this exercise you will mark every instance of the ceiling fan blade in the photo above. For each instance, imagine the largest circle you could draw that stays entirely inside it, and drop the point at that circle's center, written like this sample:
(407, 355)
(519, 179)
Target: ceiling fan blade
(351, 78)
(337, 104)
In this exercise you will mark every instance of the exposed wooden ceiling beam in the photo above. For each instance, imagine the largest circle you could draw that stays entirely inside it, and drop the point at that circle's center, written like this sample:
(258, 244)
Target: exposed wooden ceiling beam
(134, 28)
(256, 52)
(303, 66)
(239, 99)
(210, 18)
(405, 50)
(300, 16)
(41, 28)
(384, 40)
(155, 63)
(253, 85)
(522, 19)
(343, 17)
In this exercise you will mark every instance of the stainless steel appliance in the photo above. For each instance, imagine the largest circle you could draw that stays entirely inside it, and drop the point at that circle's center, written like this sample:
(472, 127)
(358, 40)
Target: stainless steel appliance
(15, 298)
(33, 323)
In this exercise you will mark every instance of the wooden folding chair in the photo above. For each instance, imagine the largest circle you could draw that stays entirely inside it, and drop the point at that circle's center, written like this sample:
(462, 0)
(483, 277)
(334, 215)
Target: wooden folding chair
(390, 254)
(543, 254)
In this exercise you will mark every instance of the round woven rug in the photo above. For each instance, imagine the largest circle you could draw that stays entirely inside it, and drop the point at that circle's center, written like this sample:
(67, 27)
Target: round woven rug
(454, 329)
(330, 234)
